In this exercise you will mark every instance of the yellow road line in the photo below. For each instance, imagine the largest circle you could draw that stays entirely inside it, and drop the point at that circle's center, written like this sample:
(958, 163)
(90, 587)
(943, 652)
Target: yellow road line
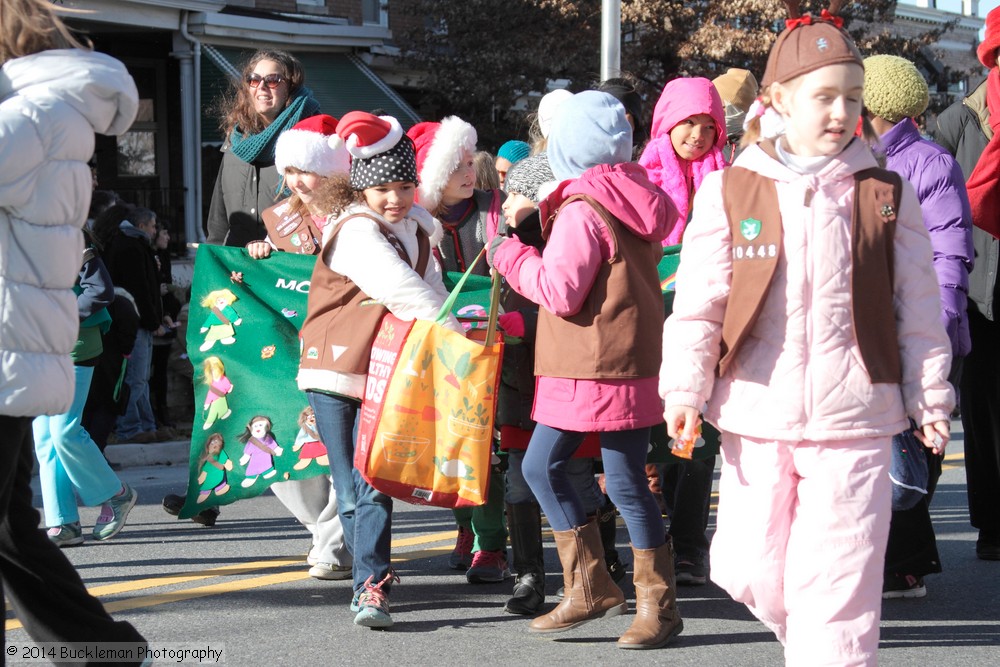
(238, 584)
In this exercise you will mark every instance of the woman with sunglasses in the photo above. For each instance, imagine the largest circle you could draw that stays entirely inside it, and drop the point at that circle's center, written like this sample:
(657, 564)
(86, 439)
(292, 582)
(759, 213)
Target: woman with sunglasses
(268, 99)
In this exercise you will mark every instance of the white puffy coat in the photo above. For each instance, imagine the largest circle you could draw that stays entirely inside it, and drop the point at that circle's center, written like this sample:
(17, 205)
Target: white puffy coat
(51, 104)
(799, 374)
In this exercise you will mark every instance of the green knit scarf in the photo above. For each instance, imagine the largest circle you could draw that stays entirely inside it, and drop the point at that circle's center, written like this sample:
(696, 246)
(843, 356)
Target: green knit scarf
(250, 148)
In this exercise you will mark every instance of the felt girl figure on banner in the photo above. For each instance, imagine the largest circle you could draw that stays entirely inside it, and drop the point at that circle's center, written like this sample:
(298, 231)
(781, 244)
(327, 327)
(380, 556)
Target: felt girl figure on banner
(259, 450)
(808, 355)
(220, 322)
(214, 465)
(216, 405)
(307, 442)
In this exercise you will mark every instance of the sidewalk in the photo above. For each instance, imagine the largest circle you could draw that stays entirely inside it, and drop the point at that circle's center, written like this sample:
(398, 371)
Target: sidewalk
(132, 455)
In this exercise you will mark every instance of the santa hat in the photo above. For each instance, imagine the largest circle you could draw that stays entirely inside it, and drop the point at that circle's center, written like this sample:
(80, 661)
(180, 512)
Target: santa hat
(439, 149)
(382, 153)
(312, 145)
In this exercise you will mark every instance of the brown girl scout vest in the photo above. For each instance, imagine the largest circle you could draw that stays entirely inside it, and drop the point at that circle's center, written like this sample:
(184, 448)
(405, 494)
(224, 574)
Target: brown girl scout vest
(617, 332)
(341, 320)
(289, 230)
(751, 205)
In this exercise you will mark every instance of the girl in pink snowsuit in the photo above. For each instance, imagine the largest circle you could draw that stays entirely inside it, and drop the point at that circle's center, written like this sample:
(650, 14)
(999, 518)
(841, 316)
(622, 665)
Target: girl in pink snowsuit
(773, 337)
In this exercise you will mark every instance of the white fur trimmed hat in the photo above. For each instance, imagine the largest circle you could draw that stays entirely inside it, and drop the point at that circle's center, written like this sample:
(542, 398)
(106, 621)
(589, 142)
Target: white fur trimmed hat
(439, 149)
(312, 145)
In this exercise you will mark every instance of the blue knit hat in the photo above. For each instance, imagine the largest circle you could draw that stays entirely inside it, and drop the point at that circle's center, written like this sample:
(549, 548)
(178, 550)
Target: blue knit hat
(589, 129)
(514, 151)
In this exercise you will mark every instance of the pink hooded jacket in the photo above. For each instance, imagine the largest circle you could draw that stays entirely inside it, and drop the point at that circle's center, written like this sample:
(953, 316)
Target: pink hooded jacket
(799, 374)
(560, 279)
(681, 99)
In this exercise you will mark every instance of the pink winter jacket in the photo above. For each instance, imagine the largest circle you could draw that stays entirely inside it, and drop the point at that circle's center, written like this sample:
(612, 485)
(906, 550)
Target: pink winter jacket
(560, 280)
(681, 99)
(799, 375)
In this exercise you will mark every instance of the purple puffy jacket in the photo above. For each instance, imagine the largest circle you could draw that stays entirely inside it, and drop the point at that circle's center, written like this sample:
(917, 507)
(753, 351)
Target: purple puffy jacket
(940, 186)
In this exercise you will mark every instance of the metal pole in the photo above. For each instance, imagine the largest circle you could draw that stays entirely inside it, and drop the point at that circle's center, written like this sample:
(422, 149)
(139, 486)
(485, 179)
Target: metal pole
(611, 39)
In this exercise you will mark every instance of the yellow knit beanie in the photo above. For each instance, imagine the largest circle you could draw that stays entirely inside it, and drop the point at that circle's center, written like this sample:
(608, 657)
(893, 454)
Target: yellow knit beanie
(894, 88)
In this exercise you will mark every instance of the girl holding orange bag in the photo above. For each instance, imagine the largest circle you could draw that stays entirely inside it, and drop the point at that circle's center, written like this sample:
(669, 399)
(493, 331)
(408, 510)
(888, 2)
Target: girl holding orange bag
(600, 316)
(375, 257)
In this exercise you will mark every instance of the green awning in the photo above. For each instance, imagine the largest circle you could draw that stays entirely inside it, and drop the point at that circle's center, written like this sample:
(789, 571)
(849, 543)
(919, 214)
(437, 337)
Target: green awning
(340, 81)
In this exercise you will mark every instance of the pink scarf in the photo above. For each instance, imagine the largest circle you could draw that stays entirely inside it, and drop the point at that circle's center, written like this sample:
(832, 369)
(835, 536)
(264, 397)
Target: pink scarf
(675, 177)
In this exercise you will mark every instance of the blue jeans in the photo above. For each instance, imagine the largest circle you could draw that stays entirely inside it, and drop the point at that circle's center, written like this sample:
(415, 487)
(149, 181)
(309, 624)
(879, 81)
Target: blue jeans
(624, 455)
(366, 514)
(68, 460)
(138, 418)
(579, 471)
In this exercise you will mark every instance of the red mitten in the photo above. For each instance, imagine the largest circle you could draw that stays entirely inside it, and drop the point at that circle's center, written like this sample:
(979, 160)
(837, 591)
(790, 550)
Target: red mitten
(512, 323)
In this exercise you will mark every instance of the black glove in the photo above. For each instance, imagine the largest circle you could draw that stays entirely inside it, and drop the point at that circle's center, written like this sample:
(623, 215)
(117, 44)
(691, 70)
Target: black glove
(495, 244)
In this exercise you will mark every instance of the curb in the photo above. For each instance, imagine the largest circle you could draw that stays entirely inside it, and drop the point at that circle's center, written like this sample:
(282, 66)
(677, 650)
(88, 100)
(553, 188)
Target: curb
(170, 453)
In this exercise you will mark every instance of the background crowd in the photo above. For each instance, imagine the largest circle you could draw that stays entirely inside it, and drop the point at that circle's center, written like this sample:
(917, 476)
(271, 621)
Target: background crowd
(575, 220)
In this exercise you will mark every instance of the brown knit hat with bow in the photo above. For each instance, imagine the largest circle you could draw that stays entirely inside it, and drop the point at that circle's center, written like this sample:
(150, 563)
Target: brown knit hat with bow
(808, 43)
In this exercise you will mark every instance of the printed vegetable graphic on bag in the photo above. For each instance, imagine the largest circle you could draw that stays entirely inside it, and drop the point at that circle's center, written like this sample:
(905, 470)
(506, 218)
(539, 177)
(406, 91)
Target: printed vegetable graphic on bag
(425, 433)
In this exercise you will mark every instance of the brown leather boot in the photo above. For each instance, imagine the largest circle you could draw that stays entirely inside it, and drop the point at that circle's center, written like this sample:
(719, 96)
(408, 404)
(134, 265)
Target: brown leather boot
(657, 620)
(589, 590)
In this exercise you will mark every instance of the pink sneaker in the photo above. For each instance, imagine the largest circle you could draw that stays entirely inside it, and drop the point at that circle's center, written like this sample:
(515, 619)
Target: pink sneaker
(488, 567)
(461, 557)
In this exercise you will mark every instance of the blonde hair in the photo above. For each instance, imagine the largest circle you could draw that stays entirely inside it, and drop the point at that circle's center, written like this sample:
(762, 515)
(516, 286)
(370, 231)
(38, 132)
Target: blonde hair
(214, 369)
(335, 194)
(487, 177)
(753, 134)
(536, 139)
(32, 26)
(210, 300)
(295, 202)
(305, 414)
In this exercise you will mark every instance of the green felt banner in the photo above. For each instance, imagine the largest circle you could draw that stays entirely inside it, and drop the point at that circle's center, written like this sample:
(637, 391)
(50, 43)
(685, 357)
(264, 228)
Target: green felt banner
(249, 429)
(243, 342)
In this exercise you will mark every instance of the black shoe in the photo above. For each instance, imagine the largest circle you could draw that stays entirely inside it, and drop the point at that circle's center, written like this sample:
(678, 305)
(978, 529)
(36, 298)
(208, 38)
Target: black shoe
(172, 504)
(529, 595)
(988, 545)
(207, 517)
(617, 570)
(690, 573)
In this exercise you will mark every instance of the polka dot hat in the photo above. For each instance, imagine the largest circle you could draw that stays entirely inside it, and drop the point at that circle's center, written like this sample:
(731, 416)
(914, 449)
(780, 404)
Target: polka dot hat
(381, 152)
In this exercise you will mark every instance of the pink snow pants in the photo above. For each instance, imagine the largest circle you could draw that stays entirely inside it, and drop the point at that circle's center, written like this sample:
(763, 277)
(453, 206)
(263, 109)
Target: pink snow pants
(800, 539)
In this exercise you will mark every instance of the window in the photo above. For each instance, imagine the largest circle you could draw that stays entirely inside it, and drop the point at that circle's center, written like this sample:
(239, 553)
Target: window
(375, 12)
(137, 147)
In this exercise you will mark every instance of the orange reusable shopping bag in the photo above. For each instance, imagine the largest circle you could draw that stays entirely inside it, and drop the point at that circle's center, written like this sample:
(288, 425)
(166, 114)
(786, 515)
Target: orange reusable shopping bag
(426, 429)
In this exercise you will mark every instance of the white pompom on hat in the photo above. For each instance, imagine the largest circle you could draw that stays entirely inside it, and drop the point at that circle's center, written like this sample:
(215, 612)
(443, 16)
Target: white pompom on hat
(312, 145)
(440, 147)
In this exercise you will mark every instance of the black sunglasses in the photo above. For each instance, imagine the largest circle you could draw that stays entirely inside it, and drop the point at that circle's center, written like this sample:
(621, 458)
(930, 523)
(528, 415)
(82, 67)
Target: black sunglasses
(272, 81)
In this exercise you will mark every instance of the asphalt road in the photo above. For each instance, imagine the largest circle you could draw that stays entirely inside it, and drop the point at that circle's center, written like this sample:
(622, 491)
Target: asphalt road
(243, 586)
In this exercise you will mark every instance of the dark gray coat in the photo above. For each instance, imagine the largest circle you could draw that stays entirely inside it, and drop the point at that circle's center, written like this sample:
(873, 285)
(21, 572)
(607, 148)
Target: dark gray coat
(964, 130)
(242, 191)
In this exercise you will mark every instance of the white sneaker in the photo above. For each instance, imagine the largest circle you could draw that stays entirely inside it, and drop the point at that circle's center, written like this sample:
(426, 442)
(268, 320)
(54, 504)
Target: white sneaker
(330, 572)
